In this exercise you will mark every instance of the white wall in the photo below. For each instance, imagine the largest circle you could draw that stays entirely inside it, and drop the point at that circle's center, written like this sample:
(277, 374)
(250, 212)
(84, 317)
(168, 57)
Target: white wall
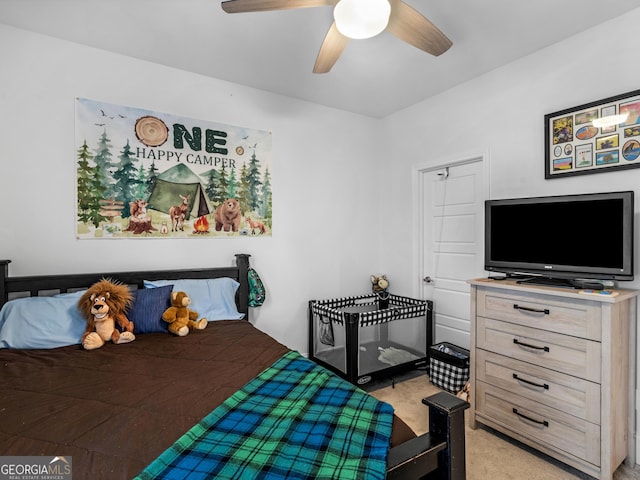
(342, 201)
(322, 161)
(502, 113)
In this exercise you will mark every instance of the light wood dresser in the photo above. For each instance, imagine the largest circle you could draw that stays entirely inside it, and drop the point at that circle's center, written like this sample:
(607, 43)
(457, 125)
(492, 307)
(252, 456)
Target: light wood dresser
(555, 369)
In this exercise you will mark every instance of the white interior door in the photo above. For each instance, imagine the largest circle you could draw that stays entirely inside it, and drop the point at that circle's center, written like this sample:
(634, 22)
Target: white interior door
(453, 238)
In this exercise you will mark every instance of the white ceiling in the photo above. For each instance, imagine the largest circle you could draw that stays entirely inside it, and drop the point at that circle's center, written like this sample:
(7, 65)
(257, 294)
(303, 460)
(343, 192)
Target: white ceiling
(275, 51)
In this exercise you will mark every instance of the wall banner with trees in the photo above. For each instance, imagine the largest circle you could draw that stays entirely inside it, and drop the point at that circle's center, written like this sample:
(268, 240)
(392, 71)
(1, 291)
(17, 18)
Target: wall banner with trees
(144, 174)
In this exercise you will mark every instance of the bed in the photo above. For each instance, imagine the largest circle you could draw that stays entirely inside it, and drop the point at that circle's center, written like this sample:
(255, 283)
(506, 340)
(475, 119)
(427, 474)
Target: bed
(115, 410)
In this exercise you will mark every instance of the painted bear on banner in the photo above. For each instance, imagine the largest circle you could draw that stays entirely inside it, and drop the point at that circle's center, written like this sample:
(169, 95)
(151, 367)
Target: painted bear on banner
(227, 216)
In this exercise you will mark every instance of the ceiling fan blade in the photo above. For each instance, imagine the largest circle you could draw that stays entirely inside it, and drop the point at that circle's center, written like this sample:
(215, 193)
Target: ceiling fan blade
(331, 49)
(239, 6)
(409, 25)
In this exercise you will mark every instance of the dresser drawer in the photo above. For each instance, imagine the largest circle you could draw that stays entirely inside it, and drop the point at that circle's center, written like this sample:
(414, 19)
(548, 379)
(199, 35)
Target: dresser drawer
(543, 424)
(572, 395)
(562, 353)
(580, 318)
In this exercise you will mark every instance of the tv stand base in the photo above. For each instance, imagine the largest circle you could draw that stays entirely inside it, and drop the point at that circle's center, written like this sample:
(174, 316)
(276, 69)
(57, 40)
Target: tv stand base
(551, 282)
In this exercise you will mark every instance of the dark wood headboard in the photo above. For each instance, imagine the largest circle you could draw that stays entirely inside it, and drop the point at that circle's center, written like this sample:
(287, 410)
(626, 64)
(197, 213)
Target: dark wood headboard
(51, 284)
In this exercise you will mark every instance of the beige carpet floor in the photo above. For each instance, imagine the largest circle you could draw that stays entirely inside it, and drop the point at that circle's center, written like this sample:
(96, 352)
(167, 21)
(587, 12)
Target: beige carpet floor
(489, 455)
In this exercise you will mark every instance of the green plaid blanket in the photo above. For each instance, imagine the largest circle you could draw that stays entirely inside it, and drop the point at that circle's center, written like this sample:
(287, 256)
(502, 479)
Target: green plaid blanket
(295, 420)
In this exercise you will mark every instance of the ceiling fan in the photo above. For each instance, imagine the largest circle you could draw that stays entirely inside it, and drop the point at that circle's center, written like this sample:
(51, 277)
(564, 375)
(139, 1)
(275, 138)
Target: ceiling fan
(358, 19)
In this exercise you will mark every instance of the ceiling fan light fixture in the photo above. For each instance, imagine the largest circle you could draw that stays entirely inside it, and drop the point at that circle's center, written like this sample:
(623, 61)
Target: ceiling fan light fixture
(360, 19)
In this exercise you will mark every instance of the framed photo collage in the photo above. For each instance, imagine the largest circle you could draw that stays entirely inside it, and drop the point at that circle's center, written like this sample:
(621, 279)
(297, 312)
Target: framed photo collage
(593, 138)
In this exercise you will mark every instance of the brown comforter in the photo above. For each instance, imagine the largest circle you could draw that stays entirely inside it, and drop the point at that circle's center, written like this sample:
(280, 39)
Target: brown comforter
(115, 409)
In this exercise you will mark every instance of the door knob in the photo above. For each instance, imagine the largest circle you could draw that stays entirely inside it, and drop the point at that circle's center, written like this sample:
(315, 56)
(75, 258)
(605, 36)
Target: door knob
(427, 279)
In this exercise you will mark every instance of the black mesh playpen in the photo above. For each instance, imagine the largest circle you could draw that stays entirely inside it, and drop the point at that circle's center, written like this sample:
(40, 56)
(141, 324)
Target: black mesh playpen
(365, 337)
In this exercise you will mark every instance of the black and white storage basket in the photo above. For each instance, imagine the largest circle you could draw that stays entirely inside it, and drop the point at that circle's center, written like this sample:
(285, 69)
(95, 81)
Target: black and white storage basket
(448, 366)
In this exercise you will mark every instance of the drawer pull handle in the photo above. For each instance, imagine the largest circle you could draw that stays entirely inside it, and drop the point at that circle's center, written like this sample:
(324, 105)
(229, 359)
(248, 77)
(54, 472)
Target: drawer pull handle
(528, 345)
(544, 385)
(544, 423)
(529, 309)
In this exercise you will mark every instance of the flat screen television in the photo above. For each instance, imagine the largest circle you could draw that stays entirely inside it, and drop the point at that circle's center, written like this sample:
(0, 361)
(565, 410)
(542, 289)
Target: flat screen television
(565, 240)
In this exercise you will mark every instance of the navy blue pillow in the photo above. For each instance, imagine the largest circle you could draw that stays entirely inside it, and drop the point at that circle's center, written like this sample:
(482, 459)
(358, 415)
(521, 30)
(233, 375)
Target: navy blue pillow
(148, 306)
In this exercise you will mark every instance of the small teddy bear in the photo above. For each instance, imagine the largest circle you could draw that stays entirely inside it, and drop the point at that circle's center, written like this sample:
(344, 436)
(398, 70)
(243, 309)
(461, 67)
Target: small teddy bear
(379, 283)
(180, 318)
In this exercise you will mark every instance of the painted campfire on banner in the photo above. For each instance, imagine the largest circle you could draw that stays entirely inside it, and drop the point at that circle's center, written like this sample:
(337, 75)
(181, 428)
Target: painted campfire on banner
(143, 174)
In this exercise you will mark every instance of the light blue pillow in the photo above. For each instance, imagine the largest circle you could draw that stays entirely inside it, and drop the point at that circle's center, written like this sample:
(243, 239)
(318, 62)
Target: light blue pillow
(42, 322)
(212, 298)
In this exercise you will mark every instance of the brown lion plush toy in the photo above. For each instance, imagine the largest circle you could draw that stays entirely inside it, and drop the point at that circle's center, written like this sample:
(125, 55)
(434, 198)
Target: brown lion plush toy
(104, 304)
(180, 318)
